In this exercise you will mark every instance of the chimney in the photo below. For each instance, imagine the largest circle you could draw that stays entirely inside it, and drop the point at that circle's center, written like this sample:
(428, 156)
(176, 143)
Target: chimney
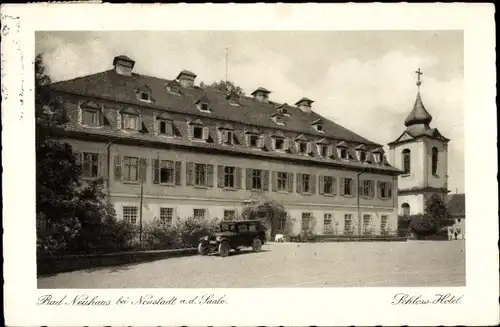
(261, 94)
(304, 104)
(123, 65)
(186, 78)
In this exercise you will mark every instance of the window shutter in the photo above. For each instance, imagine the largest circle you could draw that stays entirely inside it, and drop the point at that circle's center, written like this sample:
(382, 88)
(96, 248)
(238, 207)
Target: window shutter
(334, 186)
(379, 189)
(103, 166)
(100, 117)
(372, 189)
(265, 180)
(329, 151)
(275, 181)
(260, 142)
(178, 172)
(237, 173)
(353, 185)
(210, 175)
(247, 139)
(80, 116)
(143, 164)
(139, 121)
(220, 176)
(361, 188)
(190, 130)
(118, 168)
(156, 123)
(189, 173)
(205, 133)
(389, 189)
(313, 183)
(155, 165)
(299, 183)
(78, 158)
(248, 181)
(118, 120)
(286, 144)
(321, 184)
(309, 148)
(342, 186)
(169, 129)
(290, 182)
(225, 137)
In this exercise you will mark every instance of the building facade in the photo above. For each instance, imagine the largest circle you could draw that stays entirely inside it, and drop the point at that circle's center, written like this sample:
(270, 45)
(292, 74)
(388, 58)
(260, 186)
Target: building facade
(168, 150)
(421, 152)
(455, 207)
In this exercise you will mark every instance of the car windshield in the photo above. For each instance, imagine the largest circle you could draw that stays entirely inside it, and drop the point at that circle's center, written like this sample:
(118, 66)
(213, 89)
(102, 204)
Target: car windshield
(242, 228)
(252, 227)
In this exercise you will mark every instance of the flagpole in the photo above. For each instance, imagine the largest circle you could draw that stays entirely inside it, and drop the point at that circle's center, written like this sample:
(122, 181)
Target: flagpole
(227, 49)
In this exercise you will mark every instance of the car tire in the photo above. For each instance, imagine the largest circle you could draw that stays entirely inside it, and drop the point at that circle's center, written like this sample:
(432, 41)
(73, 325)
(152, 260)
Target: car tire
(202, 249)
(257, 245)
(224, 249)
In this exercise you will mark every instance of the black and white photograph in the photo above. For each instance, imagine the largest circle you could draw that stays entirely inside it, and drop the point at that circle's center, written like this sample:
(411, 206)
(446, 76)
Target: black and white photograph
(187, 166)
(225, 155)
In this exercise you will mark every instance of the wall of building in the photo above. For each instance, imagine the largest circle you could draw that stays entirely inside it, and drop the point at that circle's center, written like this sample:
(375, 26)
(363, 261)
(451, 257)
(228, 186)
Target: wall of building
(416, 202)
(183, 199)
(439, 180)
(416, 177)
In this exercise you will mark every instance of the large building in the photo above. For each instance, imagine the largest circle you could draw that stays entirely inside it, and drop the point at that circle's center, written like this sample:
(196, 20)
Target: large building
(182, 151)
(421, 152)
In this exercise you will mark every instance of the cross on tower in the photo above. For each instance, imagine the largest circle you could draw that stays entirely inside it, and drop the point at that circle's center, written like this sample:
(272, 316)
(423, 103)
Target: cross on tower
(418, 72)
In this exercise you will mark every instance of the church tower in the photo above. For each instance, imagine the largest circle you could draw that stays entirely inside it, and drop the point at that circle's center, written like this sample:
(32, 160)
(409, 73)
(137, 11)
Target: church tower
(421, 152)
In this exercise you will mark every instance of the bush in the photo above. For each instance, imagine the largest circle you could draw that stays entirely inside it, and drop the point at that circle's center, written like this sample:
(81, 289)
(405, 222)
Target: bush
(423, 226)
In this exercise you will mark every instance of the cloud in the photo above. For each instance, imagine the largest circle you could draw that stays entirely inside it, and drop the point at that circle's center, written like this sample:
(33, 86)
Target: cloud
(369, 96)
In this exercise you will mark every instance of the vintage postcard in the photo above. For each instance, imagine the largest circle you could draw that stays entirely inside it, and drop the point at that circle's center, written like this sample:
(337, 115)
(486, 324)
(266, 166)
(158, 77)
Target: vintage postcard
(249, 165)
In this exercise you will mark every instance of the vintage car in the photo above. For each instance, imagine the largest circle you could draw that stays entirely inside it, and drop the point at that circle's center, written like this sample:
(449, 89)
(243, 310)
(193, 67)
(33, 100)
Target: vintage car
(234, 235)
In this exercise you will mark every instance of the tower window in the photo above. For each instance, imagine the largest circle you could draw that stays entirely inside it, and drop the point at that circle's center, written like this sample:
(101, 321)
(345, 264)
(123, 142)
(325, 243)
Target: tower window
(406, 161)
(435, 155)
(406, 209)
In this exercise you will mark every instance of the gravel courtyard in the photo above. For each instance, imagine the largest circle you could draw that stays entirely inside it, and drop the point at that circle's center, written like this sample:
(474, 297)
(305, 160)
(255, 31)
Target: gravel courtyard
(381, 264)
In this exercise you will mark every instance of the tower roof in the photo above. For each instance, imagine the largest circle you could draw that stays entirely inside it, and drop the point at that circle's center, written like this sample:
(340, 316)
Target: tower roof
(418, 115)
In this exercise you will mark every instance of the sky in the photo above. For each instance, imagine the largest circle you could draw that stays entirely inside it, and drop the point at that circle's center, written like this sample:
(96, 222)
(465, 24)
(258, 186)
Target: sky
(362, 80)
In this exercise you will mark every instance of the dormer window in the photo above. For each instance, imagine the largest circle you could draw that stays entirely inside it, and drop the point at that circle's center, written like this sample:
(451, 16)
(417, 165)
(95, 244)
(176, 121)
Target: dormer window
(323, 150)
(174, 87)
(91, 114)
(228, 137)
(254, 139)
(318, 125)
(362, 155)
(204, 106)
(343, 151)
(233, 98)
(145, 96)
(344, 154)
(378, 155)
(278, 118)
(198, 131)
(130, 119)
(279, 144)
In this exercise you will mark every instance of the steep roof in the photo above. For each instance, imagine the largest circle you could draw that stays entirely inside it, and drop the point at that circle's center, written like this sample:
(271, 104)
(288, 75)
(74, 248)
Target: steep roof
(456, 204)
(112, 86)
(418, 115)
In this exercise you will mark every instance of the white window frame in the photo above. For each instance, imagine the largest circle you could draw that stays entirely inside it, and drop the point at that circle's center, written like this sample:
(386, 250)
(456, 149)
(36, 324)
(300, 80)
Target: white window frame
(126, 121)
(224, 218)
(164, 165)
(282, 149)
(194, 127)
(341, 151)
(203, 173)
(348, 181)
(199, 210)
(130, 214)
(148, 96)
(327, 216)
(332, 185)
(127, 177)
(348, 218)
(229, 176)
(95, 120)
(282, 177)
(257, 176)
(167, 215)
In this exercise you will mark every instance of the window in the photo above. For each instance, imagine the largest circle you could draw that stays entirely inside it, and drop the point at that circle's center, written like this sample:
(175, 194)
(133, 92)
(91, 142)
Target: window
(343, 153)
(406, 209)
(302, 147)
(199, 214)
(229, 176)
(306, 183)
(319, 127)
(279, 144)
(144, 96)
(384, 191)
(348, 224)
(242, 228)
(327, 223)
(229, 214)
(200, 174)
(348, 186)
(256, 179)
(166, 172)
(367, 224)
(328, 186)
(204, 106)
(198, 132)
(435, 155)
(278, 120)
(282, 181)
(130, 168)
(228, 137)
(252, 227)
(90, 117)
(165, 127)
(166, 215)
(253, 141)
(306, 218)
(362, 156)
(367, 189)
(378, 156)
(130, 214)
(406, 161)
(90, 164)
(323, 150)
(383, 223)
(458, 220)
(130, 122)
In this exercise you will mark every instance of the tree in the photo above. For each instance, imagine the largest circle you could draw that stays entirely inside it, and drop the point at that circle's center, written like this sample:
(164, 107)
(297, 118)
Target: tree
(71, 216)
(270, 213)
(435, 209)
(225, 87)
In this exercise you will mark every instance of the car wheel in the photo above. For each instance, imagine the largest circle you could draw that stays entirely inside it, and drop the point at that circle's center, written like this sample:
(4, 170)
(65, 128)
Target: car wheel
(202, 249)
(257, 245)
(224, 249)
